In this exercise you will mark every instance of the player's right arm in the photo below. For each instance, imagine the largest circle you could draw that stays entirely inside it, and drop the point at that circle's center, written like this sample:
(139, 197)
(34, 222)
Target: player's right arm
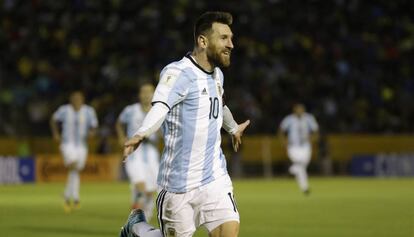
(54, 120)
(55, 129)
(120, 126)
(172, 89)
(314, 127)
(152, 122)
(120, 132)
(282, 132)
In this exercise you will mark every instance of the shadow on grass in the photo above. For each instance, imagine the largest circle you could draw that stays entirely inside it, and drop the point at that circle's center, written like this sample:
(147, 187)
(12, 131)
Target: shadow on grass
(71, 231)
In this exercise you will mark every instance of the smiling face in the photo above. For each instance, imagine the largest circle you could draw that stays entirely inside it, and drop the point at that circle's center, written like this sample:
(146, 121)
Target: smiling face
(220, 45)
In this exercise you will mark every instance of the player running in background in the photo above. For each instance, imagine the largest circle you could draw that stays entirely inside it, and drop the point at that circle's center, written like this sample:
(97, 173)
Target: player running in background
(298, 131)
(78, 121)
(195, 188)
(142, 165)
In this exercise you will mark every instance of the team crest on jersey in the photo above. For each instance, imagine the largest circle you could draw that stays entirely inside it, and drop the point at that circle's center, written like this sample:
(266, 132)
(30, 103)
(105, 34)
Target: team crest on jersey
(171, 232)
(219, 89)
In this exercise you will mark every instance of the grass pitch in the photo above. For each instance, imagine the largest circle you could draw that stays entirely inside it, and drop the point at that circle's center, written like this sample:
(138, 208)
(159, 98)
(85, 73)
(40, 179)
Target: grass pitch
(269, 208)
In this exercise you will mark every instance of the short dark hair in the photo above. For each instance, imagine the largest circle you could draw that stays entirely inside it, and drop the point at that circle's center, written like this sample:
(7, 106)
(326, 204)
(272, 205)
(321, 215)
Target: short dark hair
(206, 20)
(76, 91)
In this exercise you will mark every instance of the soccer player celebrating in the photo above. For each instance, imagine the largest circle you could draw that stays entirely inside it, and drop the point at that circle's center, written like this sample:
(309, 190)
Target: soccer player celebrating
(195, 188)
(78, 121)
(142, 165)
(297, 132)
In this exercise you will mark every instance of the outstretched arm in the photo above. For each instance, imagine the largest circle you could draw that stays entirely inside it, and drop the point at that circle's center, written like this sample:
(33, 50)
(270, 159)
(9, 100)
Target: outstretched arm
(314, 137)
(120, 132)
(55, 129)
(152, 122)
(283, 137)
(231, 126)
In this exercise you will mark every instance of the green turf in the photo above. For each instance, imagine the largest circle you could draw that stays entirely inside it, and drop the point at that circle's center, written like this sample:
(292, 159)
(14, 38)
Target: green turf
(337, 207)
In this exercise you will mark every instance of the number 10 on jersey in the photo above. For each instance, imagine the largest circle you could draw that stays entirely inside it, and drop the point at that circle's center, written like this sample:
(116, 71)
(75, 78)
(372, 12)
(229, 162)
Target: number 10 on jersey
(214, 107)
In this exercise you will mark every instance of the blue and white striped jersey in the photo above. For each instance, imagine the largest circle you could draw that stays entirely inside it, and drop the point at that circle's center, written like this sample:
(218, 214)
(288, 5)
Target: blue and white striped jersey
(298, 128)
(133, 116)
(75, 124)
(192, 155)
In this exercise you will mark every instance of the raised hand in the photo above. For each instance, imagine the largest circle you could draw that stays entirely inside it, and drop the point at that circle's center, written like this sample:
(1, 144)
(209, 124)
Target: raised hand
(132, 144)
(236, 137)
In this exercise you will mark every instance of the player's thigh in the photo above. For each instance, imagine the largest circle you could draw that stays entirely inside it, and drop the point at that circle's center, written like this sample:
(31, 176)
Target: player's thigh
(175, 214)
(81, 156)
(299, 154)
(218, 205)
(227, 229)
(140, 186)
(135, 169)
(305, 156)
(69, 154)
(151, 173)
(153, 161)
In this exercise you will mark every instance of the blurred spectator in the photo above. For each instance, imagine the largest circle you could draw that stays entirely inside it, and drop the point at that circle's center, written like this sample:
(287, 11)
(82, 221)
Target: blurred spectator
(352, 61)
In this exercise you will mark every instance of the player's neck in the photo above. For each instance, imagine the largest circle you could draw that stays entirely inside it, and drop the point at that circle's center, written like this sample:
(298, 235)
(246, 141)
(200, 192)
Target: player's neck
(202, 60)
(76, 108)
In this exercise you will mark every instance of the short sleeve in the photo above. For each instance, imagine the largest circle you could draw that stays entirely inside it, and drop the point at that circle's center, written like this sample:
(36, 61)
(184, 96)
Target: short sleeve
(59, 114)
(284, 125)
(93, 121)
(173, 87)
(124, 116)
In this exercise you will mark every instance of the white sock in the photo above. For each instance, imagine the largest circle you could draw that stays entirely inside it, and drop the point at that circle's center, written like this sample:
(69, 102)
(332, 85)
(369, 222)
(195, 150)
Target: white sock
(69, 186)
(302, 177)
(138, 197)
(148, 207)
(143, 229)
(76, 184)
(133, 193)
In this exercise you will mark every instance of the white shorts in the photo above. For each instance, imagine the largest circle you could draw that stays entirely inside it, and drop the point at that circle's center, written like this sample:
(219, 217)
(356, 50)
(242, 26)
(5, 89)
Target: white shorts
(142, 166)
(179, 214)
(300, 154)
(74, 154)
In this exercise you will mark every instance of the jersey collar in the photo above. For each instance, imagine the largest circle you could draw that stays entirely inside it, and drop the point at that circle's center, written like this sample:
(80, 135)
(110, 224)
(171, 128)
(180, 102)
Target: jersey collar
(188, 55)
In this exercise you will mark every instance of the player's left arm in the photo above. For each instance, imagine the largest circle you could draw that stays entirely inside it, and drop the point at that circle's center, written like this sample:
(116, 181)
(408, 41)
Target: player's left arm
(231, 126)
(92, 123)
(314, 127)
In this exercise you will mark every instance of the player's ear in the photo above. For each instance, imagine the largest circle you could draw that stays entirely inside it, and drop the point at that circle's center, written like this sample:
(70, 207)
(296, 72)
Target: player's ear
(202, 41)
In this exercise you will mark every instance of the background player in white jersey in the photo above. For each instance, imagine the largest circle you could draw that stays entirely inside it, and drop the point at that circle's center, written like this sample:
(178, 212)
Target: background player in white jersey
(298, 131)
(78, 121)
(142, 165)
(196, 189)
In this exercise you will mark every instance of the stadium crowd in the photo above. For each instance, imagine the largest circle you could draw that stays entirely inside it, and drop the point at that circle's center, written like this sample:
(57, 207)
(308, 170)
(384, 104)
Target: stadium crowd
(350, 62)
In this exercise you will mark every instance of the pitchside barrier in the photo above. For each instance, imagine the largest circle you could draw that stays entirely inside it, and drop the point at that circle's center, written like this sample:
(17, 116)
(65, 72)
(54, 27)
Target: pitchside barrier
(383, 165)
(387, 154)
(16, 170)
(50, 168)
(254, 148)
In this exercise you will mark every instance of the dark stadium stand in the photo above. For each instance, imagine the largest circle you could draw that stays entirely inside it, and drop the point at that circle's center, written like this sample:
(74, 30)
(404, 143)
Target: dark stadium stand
(350, 62)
